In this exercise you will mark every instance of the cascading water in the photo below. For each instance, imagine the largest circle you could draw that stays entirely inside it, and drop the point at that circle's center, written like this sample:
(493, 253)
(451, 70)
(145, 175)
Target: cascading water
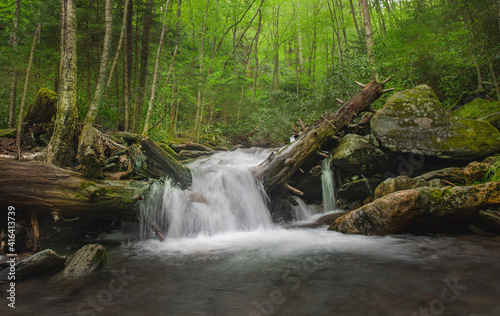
(224, 197)
(328, 186)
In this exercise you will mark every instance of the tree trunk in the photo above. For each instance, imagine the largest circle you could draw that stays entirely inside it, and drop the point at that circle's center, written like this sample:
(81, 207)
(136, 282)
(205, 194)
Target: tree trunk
(276, 71)
(143, 74)
(101, 82)
(13, 88)
(127, 64)
(369, 37)
(199, 107)
(61, 147)
(278, 168)
(25, 91)
(90, 148)
(355, 21)
(120, 41)
(155, 74)
(43, 188)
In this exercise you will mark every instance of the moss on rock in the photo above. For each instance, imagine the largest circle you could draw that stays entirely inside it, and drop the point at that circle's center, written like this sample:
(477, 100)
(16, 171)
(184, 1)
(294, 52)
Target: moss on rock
(481, 109)
(413, 121)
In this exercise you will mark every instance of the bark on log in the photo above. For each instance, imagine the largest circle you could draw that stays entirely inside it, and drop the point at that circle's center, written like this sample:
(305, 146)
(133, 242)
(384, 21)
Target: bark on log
(278, 168)
(161, 164)
(42, 188)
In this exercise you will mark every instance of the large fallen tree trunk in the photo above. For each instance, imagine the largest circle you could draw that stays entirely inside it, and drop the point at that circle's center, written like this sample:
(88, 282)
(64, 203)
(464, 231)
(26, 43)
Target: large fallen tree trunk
(40, 187)
(278, 168)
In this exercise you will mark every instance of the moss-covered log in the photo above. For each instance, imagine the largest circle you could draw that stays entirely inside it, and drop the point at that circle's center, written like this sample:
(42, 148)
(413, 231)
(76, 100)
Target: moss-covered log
(278, 168)
(41, 187)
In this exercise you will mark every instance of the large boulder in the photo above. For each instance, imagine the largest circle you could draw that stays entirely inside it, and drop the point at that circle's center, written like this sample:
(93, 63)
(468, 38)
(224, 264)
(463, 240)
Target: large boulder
(90, 258)
(413, 121)
(42, 263)
(358, 154)
(421, 210)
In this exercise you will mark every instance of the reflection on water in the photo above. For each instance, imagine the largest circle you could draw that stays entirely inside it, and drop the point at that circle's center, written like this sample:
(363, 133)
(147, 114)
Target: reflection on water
(282, 272)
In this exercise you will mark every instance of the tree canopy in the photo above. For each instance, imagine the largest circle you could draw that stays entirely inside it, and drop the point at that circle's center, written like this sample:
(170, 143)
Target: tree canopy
(229, 69)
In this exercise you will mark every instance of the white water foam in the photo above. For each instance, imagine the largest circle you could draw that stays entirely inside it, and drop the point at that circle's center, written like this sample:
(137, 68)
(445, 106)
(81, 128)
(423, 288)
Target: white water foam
(224, 197)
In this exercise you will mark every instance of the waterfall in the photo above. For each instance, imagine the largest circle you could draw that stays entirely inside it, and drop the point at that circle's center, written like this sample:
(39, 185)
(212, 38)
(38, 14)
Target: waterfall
(328, 186)
(224, 197)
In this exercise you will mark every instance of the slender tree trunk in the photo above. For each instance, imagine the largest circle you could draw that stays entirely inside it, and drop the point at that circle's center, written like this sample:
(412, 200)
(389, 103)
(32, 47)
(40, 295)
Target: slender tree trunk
(143, 75)
(13, 88)
(60, 150)
(120, 41)
(369, 38)
(381, 17)
(276, 72)
(25, 91)
(478, 71)
(256, 70)
(155, 74)
(299, 38)
(101, 82)
(127, 65)
(356, 21)
(88, 66)
(199, 107)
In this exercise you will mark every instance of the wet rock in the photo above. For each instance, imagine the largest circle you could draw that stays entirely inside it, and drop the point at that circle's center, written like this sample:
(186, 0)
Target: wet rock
(359, 189)
(90, 258)
(490, 221)
(190, 147)
(328, 219)
(401, 183)
(188, 154)
(475, 171)
(358, 154)
(413, 121)
(309, 182)
(421, 210)
(42, 263)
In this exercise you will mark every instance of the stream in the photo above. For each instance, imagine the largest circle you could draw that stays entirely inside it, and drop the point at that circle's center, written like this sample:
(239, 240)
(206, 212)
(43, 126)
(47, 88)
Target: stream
(224, 256)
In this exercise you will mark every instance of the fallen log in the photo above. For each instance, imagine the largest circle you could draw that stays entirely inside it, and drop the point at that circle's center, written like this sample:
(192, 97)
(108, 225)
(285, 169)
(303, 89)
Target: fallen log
(42, 188)
(275, 171)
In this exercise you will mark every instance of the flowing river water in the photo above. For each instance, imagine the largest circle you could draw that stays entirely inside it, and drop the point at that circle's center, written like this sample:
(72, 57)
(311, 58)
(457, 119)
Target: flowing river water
(224, 256)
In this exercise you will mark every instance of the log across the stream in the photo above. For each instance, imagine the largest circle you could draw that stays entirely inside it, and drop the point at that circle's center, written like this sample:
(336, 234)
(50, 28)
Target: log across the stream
(278, 168)
(41, 187)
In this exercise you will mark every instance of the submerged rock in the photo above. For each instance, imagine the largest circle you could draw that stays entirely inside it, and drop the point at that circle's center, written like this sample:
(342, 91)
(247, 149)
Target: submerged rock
(90, 258)
(413, 121)
(421, 210)
(42, 263)
(359, 155)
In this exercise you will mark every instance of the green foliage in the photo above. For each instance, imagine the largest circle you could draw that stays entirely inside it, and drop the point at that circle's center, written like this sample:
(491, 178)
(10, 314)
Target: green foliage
(494, 173)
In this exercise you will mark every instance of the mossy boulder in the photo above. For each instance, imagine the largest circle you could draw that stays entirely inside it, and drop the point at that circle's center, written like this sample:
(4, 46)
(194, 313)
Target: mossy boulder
(89, 259)
(44, 108)
(481, 109)
(414, 121)
(421, 210)
(358, 154)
